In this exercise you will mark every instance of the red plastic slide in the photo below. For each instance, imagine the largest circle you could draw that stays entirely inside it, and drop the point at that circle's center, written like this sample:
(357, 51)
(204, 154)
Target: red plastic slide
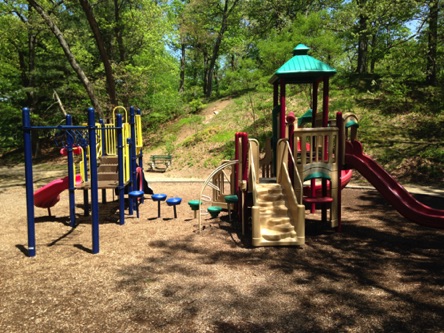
(391, 190)
(48, 195)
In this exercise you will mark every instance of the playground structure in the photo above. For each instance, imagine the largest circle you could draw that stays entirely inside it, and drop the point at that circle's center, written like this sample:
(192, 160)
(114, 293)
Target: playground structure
(116, 145)
(304, 168)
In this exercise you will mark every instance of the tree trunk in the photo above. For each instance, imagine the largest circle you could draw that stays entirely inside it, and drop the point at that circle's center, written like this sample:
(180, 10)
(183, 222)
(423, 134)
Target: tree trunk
(110, 83)
(118, 31)
(27, 68)
(363, 41)
(223, 28)
(205, 71)
(362, 45)
(72, 60)
(373, 55)
(182, 68)
(432, 43)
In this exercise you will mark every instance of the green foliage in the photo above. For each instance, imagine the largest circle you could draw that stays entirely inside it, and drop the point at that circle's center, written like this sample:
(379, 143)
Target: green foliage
(243, 78)
(313, 30)
(427, 127)
(10, 131)
(196, 105)
(223, 136)
(204, 135)
(170, 144)
(144, 40)
(191, 120)
(394, 94)
(429, 100)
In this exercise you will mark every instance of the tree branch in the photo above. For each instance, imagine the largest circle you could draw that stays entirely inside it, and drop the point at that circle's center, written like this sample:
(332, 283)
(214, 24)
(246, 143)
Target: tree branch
(69, 55)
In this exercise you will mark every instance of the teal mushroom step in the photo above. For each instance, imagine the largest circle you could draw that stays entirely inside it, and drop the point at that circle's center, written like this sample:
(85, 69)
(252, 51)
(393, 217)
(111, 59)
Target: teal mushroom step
(194, 205)
(214, 211)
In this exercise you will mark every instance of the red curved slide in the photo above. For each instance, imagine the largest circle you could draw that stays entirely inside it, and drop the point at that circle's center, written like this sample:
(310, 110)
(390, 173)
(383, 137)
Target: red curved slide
(48, 195)
(391, 190)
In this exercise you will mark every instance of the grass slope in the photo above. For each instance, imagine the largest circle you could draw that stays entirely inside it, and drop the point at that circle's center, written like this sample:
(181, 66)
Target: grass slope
(409, 145)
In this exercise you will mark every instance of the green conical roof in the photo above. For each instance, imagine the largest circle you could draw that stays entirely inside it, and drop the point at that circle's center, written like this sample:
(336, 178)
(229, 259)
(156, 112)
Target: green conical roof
(302, 68)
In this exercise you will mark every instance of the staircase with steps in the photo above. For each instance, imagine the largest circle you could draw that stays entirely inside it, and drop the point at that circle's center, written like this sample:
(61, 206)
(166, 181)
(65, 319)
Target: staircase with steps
(275, 221)
(108, 172)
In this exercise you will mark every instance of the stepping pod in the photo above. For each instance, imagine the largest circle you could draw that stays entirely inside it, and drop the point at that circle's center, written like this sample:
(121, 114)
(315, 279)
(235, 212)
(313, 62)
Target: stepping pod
(194, 205)
(158, 197)
(214, 211)
(230, 200)
(138, 197)
(174, 202)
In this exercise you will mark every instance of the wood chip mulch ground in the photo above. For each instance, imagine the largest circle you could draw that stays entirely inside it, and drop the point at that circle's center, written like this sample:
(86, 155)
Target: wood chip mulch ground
(381, 274)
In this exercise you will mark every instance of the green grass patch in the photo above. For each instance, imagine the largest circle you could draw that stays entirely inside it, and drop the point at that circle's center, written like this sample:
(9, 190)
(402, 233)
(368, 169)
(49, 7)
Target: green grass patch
(223, 136)
(201, 136)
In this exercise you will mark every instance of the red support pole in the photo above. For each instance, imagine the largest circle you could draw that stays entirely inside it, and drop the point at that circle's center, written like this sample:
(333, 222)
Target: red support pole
(244, 156)
(238, 190)
(341, 138)
(325, 124)
(236, 157)
(313, 124)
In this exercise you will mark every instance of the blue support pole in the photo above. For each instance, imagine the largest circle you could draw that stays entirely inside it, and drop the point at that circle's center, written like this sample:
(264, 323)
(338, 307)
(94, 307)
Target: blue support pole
(26, 119)
(121, 186)
(133, 157)
(94, 185)
(71, 175)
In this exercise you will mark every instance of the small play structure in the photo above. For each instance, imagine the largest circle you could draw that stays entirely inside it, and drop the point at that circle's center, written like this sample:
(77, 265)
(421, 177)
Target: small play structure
(304, 168)
(108, 156)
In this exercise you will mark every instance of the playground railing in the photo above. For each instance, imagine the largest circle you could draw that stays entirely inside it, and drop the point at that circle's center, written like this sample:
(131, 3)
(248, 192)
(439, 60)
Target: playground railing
(124, 115)
(316, 145)
(351, 125)
(139, 135)
(295, 206)
(126, 132)
(82, 170)
(283, 154)
(224, 182)
(294, 198)
(209, 183)
(316, 152)
(110, 140)
(253, 165)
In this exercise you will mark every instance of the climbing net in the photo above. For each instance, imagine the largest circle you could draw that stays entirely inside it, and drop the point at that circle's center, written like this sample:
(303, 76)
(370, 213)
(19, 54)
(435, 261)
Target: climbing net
(78, 137)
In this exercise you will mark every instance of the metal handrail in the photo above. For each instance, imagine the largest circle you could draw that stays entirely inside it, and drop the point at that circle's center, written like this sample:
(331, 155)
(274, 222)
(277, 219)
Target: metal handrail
(208, 182)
